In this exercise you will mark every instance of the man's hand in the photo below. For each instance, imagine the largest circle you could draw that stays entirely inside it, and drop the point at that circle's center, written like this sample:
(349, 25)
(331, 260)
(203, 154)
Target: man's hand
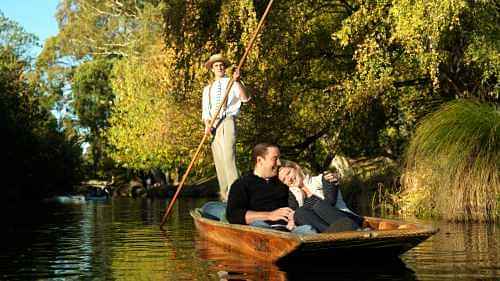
(291, 224)
(284, 213)
(208, 131)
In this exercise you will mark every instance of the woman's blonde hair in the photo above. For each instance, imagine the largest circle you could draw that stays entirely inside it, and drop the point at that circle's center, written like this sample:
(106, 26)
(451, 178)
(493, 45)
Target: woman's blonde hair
(291, 164)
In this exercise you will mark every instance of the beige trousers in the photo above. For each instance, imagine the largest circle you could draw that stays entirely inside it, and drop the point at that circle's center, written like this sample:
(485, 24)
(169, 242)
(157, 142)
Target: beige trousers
(224, 152)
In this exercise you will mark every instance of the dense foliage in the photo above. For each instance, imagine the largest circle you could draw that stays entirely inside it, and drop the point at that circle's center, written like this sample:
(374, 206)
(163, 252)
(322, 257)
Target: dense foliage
(93, 97)
(452, 164)
(326, 77)
(320, 73)
(39, 160)
(15, 38)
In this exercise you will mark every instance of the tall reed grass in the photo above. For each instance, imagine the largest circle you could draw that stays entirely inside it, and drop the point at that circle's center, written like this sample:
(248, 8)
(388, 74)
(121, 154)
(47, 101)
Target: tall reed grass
(451, 167)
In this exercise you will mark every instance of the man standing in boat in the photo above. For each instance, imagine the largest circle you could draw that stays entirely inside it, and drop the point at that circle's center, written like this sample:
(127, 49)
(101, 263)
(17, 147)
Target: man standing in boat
(224, 127)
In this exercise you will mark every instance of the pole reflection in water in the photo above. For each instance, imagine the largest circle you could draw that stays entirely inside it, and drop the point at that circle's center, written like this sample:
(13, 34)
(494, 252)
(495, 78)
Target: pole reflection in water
(121, 240)
(233, 265)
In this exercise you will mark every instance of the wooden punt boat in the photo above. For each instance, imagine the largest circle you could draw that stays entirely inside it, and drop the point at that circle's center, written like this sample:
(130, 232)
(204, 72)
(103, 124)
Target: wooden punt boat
(388, 238)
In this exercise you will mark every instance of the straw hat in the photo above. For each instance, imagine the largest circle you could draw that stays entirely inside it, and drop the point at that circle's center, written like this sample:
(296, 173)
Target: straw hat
(216, 58)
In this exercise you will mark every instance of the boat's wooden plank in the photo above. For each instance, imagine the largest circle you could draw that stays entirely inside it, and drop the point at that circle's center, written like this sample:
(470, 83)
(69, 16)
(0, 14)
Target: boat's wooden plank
(261, 243)
(391, 239)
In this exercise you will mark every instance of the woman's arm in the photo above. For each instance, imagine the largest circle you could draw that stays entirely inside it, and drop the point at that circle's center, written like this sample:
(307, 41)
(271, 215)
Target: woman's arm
(330, 184)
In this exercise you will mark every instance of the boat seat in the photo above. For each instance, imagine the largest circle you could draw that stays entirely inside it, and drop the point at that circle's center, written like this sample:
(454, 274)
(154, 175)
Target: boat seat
(214, 210)
(209, 216)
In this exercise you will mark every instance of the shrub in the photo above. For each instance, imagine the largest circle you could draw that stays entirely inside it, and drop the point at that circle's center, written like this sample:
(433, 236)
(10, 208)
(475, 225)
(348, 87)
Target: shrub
(451, 167)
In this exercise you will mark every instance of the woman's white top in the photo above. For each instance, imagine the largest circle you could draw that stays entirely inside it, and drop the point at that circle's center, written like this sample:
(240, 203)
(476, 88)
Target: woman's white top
(315, 185)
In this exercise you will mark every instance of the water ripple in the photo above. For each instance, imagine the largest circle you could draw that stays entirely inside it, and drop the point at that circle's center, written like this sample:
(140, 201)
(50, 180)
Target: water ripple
(121, 240)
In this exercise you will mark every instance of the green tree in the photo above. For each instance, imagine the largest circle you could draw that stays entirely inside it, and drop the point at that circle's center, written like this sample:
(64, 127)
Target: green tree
(412, 56)
(14, 37)
(156, 118)
(94, 28)
(76, 63)
(39, 159)
(327, 77)
(93, 97)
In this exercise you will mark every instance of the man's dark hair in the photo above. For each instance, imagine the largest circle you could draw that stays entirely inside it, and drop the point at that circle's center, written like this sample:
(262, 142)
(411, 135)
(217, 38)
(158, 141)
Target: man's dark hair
(261, 150)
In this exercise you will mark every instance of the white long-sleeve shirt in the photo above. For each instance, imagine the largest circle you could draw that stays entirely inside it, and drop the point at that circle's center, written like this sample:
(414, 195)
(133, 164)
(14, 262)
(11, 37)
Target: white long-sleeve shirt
(315, 185)
(211, 103)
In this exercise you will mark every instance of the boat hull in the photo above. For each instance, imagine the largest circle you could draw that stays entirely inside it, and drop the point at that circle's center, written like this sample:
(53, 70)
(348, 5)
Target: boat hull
(390, 238)
(261, 243)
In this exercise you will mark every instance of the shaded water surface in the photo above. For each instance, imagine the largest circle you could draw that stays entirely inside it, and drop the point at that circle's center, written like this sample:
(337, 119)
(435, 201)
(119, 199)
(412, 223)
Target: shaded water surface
(120, 240)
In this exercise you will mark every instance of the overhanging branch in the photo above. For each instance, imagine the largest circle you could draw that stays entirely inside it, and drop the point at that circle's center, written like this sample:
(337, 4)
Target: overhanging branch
(297, 148)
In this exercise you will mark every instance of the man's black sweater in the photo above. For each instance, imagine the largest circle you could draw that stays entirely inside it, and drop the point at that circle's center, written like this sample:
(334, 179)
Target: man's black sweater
(253, 193)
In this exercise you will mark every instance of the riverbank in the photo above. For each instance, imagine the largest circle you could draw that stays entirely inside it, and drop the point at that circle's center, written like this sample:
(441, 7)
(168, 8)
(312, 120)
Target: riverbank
(138, 189)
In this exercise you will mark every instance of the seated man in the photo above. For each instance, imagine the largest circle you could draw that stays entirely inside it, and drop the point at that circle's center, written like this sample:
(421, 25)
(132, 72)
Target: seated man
(260, 198)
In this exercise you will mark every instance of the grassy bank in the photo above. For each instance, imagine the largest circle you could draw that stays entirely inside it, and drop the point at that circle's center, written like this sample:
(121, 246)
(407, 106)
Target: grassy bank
(451, 169)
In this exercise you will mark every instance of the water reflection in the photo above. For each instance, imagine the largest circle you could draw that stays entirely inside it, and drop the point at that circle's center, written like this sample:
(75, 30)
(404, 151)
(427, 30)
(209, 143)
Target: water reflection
(458, 252)
(232, 265)
(117, 240)
(121, 240)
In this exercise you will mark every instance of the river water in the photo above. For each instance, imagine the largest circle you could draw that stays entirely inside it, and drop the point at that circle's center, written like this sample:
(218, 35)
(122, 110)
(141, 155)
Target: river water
(120, 239)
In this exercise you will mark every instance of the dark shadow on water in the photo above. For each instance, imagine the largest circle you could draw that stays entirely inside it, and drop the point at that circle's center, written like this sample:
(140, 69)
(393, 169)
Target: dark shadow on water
(232, 265)
(387, 269)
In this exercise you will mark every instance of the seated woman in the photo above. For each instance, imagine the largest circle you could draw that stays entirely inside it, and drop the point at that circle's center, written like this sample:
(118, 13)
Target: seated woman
(317, 200)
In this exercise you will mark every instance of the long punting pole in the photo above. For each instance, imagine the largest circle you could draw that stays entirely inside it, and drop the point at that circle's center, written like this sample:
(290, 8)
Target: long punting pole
(228, 88)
